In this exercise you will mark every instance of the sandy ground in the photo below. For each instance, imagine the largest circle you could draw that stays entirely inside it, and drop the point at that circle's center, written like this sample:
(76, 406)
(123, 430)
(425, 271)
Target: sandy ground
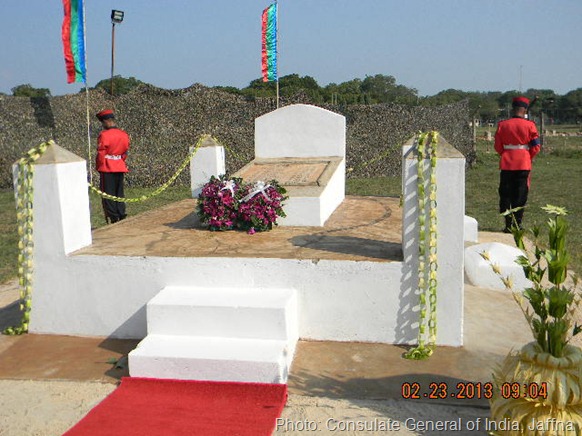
(317, 415)
(46, 408)
(49, 408)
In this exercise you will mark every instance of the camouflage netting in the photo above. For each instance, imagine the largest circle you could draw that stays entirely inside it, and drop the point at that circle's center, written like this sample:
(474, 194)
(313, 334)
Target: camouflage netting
(164, 124)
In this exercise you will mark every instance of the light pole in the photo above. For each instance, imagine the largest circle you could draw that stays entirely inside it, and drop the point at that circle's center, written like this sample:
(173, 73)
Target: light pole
(116, 18)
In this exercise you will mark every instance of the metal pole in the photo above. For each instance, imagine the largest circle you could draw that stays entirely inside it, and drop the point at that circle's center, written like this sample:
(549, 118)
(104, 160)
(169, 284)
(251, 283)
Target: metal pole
(87, 99)
(277, 49)
(112, 55)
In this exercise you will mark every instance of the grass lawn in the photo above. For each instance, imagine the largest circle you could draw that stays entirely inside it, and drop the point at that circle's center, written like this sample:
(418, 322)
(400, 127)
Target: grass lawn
(556, 179)
(8, 236)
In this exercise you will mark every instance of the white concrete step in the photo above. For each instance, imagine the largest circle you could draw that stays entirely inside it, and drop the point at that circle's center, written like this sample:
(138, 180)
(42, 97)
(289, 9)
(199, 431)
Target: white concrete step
(224, 312)
(211, 358)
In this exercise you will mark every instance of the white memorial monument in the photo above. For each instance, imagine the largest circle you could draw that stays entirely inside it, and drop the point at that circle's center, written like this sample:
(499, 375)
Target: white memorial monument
(303, 147)
(232, 317)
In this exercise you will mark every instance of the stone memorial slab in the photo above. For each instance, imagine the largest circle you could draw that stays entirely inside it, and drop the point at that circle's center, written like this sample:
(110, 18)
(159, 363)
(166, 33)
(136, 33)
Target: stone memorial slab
(287, 173)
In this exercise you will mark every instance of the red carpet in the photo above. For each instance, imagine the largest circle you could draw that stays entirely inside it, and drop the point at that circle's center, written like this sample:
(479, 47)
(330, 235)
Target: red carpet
(155, 407)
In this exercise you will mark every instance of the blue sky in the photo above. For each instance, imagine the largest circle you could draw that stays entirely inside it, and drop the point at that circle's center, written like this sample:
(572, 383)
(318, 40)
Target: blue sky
(430, 45)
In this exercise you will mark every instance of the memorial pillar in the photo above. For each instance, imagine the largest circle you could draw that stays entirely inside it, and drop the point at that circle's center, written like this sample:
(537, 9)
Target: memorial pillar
(450, 173)
(208, 161)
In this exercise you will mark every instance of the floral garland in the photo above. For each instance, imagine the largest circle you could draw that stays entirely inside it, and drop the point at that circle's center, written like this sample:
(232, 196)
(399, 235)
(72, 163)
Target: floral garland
(24, 218)
(427, 250)
(227, 203)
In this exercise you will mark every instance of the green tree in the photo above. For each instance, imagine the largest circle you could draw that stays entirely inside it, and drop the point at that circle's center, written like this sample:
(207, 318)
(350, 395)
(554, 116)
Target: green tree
(542, 100)
(383, 89)
(447, 96)
(258, 88)
(293, 84)
(28, 90)
(289, 86)
(484, 105)
(345, 93)
(541, 94)
(570, 106)
(121, 85)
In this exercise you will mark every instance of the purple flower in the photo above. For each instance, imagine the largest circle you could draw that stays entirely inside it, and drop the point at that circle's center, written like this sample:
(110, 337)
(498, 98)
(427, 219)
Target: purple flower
(220, 206)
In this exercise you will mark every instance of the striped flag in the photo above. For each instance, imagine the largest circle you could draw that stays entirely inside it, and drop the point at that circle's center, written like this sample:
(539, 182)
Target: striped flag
(269, 44)
(73, 34)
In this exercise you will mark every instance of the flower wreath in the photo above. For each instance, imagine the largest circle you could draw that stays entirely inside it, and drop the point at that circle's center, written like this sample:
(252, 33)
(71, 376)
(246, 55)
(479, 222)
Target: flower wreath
(227, 203)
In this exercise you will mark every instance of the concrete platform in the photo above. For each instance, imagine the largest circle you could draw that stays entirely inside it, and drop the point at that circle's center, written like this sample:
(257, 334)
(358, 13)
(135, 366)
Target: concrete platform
(242, 313)
(347, 274)
(180, 357)
(361, 229)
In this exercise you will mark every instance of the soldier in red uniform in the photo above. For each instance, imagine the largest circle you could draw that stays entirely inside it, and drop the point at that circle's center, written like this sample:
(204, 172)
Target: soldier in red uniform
(517, 142)
(113, 146)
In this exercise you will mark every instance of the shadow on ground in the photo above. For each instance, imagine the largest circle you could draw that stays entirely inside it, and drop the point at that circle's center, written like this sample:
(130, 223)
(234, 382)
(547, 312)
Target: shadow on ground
(350, 245)
(10, 315)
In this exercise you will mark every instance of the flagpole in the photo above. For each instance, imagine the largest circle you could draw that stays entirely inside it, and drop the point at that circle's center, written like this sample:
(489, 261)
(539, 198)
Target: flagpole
(89, 160)
(277, 49)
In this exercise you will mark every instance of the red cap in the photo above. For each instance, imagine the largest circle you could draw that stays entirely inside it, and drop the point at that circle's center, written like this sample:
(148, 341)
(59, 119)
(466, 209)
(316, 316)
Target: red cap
(521, 102)
(105, 114)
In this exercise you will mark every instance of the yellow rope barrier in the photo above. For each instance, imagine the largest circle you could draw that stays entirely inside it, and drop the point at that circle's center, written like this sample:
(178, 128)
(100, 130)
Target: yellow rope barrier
(231, 151)
(163, 187)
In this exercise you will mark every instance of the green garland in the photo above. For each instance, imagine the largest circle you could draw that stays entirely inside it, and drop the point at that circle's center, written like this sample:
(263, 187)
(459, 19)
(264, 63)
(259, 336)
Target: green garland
(427, 250)
(24, 217)
(24, 220)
